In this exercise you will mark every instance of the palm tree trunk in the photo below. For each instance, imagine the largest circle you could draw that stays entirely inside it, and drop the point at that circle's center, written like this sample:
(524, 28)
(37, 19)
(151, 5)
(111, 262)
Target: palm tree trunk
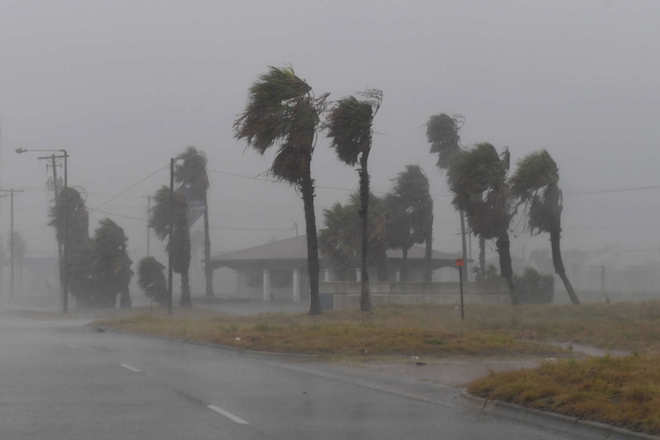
(506, 270)
(404, 264)
(365, 298)
(208, 269)
(307, 189)
(558, 263)
(482, 257)
(185, 289)
(464, 256)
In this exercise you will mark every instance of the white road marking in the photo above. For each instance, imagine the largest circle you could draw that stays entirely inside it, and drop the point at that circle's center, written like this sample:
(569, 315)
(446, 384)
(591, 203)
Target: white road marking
(230, 416)
(133, 369)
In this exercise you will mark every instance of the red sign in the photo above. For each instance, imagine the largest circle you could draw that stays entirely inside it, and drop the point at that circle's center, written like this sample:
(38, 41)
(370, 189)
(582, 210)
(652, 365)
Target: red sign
(460, 262)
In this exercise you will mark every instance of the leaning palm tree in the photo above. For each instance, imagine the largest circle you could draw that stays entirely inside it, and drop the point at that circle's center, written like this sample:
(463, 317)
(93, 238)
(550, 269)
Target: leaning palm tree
(191, 173)
(283, 111)
(178, 245)
(535, 183)
(478, 179)
(350, 128)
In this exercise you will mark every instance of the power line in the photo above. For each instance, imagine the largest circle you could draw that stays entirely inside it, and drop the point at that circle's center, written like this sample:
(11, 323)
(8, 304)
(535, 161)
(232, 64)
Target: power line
(131, 186)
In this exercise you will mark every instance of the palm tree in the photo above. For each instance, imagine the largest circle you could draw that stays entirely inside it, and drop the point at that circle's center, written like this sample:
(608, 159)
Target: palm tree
(350, 128)
(283, 111)
(535, 183)
(191, 173)
(442, 132)
(477, 178)
(178, 245)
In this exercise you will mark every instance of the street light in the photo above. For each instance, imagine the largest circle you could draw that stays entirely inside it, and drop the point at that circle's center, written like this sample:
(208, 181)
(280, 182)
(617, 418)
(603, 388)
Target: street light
(64, 275)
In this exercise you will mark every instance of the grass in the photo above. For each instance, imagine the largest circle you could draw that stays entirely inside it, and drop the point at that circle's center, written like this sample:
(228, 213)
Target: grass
(620, 391)
(386, 331)
(418, 330)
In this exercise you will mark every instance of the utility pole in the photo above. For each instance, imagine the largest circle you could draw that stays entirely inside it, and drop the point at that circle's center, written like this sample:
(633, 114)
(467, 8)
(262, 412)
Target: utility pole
(64, 267)
(12, 241)
(464, 255)
(170, 250)
(148, 228)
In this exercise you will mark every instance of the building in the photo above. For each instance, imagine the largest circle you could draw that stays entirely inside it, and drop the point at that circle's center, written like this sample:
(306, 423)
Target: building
(277, 270)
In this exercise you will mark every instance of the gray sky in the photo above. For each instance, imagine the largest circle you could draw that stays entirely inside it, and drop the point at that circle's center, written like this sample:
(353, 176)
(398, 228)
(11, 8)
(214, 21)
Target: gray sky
(127, 84)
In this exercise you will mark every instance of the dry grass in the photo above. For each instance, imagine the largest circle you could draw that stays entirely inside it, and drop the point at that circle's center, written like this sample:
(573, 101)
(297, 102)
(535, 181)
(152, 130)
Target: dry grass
(619, 391)
(385, 331)
(434, 330)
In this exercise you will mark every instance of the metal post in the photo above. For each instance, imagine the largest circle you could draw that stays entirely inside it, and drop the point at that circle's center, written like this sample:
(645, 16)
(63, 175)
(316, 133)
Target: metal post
(169, 250)
(460, 283)
(148, 228)
(11, 244)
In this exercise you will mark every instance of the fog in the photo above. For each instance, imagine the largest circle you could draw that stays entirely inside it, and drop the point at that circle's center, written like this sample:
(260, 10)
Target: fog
(125, 85)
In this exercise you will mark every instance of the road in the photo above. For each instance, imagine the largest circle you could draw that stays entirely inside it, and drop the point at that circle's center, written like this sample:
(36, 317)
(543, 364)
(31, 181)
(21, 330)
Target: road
(60, 379)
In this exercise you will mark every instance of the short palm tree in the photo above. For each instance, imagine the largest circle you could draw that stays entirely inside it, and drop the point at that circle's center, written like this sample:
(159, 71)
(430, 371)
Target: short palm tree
(152, 280)
(178, 245)
(478, 179)
(283, 111)
(535, 183)
(350, 128)
(191, 172)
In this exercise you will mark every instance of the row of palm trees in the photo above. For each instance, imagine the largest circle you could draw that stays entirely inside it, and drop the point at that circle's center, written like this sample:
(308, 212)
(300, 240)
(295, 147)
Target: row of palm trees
(284, 112)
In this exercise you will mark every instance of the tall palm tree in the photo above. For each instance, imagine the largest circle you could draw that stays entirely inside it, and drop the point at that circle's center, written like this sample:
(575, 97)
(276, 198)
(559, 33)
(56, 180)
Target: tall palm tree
(477, 177)
(350, 128)
(442, 132)
(162, 215)
(282, 110)
(535, 183)
(191, 172)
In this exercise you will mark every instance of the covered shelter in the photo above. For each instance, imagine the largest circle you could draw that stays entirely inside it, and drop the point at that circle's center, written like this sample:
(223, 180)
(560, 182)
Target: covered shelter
(278, 270)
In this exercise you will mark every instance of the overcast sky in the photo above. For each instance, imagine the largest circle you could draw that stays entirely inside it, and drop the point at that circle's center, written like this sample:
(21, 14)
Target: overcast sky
(124, 85)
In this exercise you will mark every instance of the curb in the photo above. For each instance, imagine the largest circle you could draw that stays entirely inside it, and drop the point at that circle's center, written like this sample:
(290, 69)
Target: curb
(603, 428)
(305, 356)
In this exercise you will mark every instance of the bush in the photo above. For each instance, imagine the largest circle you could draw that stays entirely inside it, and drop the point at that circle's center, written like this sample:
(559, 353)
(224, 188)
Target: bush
(534, 288)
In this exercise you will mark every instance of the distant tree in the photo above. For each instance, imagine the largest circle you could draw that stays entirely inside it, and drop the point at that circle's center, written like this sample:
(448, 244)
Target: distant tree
(178, 243)
(409, 214)
(191, 173)
(535, 183)
(341, 239)
(111, 266)
(283, 111)
(478, 179)
(350, 129)
(151, 280)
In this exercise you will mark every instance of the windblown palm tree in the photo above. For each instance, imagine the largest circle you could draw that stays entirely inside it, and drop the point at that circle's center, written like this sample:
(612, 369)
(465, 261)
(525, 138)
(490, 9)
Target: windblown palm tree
(283, 111)
(152, 280)
(178, 245)
(535, 183)
(191, 173)
(350, 128)
(477, 178)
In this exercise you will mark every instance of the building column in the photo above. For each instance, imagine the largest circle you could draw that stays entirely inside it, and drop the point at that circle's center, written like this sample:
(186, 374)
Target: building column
(398, 276)
(296, 285)
(358, 274)
(266, 285)
(326, 275)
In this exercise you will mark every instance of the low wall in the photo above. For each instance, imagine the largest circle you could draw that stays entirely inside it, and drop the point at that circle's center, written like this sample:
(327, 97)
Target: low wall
(346, 295)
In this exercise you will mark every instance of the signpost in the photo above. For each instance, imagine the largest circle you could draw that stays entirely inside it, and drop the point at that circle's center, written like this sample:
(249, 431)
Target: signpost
(460, 264)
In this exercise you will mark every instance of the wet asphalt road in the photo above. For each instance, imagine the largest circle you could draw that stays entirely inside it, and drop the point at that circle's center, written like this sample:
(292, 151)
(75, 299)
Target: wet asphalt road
(62, 380)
